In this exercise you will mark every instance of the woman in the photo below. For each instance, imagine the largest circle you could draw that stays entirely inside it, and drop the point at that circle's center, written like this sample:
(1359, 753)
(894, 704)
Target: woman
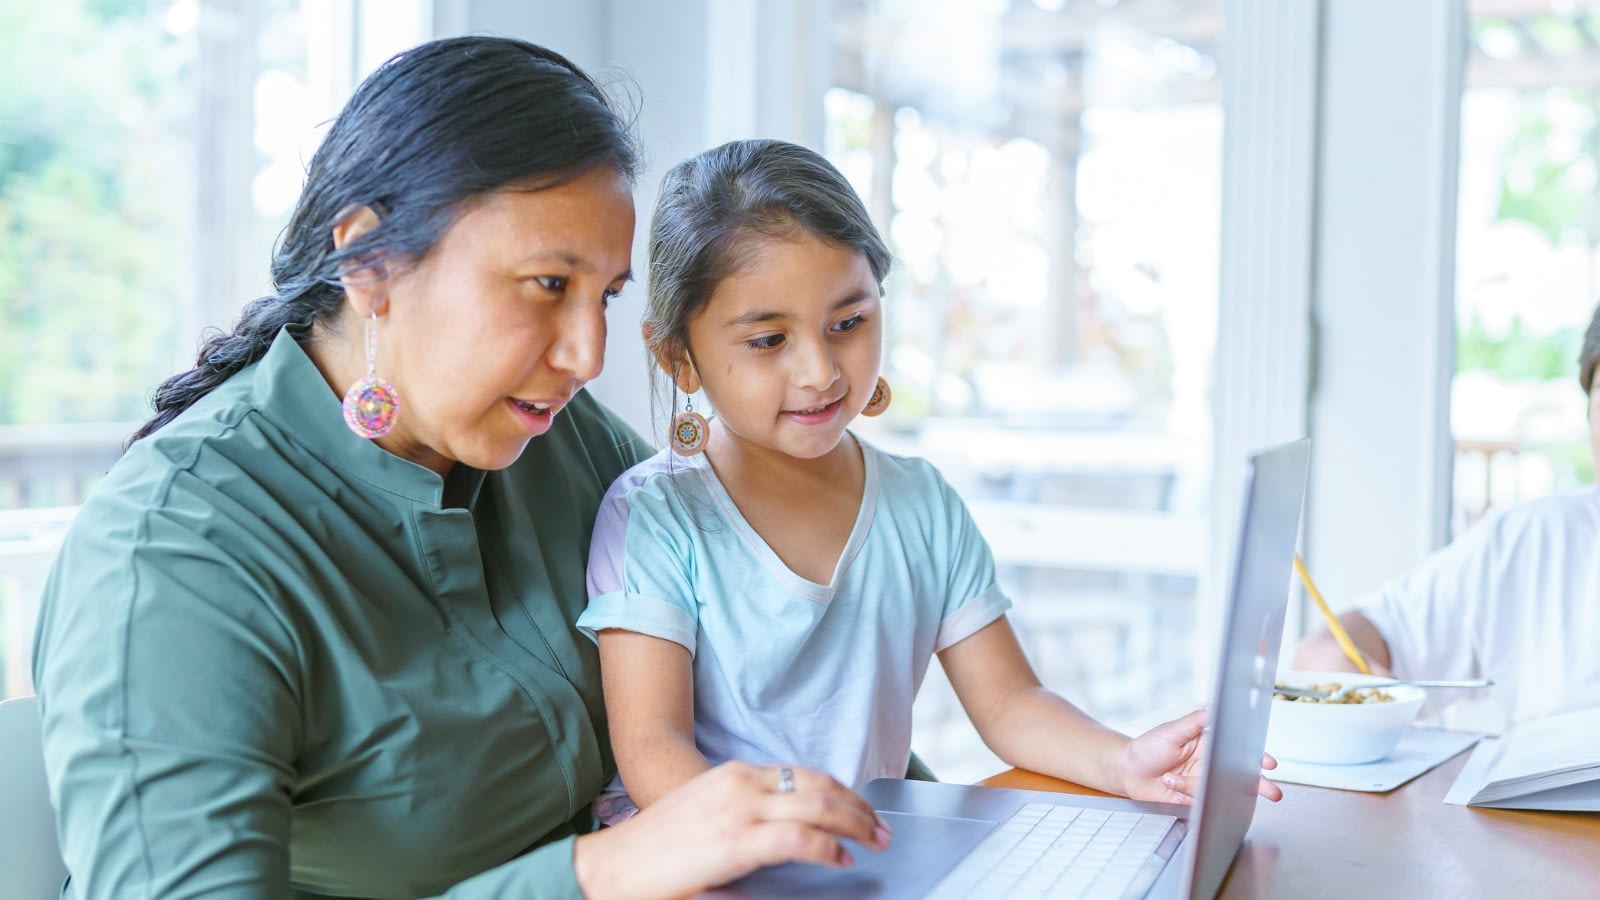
(288, 650)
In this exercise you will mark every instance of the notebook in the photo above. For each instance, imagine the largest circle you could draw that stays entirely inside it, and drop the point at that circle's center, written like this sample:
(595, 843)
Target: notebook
(1551, 763)
(958, 841)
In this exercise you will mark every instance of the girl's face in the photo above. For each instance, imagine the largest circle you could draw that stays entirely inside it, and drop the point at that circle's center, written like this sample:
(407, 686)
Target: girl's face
(788, 347)
(490, 335)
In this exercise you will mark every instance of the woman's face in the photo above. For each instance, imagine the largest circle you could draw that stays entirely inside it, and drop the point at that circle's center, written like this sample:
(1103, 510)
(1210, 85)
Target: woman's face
(493, 331)
(788, 346)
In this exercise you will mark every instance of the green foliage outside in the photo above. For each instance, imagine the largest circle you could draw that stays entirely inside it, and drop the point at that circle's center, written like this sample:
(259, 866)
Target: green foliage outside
(1517, 355)
(91, 233)
(1550, 168)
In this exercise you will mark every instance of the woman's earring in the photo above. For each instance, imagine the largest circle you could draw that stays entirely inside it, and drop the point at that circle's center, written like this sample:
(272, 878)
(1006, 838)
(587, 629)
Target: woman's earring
(690, 431)
(371, 405)
(881, 395)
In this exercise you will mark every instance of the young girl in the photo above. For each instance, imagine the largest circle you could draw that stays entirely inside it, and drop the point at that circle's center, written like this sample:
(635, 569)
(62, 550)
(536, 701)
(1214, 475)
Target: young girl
(774, 589)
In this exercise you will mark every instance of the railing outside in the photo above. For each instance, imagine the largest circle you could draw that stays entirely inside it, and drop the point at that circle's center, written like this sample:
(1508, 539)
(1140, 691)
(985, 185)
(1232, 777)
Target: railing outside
(1496, 474)
(51, 469)
(56, 465)
(29, 539)
(45, 472)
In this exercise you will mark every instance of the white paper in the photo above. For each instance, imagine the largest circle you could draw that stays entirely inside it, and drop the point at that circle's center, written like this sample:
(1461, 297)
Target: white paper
(1555, 744)
(1560, 746)
(1419, 750)
(1475, 774)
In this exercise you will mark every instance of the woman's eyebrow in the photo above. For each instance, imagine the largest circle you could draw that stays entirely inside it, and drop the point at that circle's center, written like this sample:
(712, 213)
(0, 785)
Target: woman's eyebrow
(571, 260)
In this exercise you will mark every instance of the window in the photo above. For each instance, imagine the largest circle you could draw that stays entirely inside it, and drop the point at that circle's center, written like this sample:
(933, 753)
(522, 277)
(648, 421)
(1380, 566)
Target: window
(1527, 273)
(140, 196)
(1050, 186)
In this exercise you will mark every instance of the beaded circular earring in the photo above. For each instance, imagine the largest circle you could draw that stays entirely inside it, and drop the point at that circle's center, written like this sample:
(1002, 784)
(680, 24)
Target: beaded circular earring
(371, 405)
(690, 431)
(881, 395)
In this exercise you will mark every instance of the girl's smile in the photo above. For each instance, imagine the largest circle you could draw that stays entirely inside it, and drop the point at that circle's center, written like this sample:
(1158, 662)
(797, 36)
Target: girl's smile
(815, 415)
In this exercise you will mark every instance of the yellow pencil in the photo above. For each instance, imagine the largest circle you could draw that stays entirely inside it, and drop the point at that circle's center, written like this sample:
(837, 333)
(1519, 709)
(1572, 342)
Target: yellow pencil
(1347, 645)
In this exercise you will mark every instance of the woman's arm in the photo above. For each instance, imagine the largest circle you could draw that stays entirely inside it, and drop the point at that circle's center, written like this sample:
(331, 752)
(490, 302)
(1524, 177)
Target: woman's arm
(649, 689)
(170, 717)
(723, 824)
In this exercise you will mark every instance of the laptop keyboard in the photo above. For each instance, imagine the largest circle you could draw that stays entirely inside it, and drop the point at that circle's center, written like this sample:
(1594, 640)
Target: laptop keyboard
(1061, 851)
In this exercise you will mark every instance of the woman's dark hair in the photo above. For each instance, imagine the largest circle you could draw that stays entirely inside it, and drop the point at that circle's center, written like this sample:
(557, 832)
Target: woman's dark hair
(716, 207)
(429, 131)
(1589, 356)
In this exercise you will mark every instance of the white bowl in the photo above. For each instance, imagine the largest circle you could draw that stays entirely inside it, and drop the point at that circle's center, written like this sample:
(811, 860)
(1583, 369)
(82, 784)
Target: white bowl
(1339, 733)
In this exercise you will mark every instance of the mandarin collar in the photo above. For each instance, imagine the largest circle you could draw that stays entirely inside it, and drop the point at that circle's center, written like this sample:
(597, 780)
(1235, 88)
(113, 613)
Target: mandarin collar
(293, 395)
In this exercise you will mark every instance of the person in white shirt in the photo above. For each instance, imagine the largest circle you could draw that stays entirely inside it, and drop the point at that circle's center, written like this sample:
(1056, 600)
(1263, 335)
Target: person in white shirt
(1516, 599)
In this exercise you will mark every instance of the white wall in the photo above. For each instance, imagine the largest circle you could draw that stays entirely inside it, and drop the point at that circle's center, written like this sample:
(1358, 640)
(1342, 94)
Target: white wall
(1337, 306)
(1386, 189)
(575, 30)
(1263, 355)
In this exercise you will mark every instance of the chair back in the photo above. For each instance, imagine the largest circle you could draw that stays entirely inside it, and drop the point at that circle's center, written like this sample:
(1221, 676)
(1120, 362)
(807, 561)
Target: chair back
(29, 854)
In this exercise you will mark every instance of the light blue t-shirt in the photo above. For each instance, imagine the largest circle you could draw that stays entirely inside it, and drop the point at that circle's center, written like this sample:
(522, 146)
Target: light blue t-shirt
(786, 670)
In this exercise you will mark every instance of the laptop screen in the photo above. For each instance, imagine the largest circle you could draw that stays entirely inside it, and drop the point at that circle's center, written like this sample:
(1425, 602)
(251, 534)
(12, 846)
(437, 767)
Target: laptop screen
(1252, 631)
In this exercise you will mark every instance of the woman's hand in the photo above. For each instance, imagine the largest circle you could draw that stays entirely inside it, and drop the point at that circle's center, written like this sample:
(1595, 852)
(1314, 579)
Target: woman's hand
(721, 825)
(1162, 763)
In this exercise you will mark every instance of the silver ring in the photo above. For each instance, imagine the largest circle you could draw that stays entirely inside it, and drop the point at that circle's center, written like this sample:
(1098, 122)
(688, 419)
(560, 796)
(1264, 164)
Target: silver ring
(785, 781)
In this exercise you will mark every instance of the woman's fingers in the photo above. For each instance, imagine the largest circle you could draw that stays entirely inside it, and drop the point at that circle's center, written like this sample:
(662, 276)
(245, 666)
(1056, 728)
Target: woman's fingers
(725, 823)
(1269, 790)
(789, 841)
(820, 802)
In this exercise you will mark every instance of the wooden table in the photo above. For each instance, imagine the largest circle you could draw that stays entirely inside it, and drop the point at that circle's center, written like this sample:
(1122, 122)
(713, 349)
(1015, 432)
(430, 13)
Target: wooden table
(1319, 842)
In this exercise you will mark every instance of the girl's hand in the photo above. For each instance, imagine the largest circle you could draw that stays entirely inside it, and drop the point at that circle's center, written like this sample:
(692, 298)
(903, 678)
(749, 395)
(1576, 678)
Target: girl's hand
(722, 824)
(1163, 763)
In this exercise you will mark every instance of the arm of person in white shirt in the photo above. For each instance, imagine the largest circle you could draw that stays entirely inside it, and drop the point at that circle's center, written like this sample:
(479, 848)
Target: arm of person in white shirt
(1430, 622)
(1320, 651)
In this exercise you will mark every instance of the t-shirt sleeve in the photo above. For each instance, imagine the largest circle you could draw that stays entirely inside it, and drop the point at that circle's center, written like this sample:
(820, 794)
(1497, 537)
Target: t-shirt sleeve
(973, 599)
(168, 697)
(640, 566)
(1432, 617)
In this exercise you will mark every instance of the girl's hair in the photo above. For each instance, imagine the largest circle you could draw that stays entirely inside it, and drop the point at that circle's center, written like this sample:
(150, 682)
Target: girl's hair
(1589, 356)
(431, 130)
(716, 208)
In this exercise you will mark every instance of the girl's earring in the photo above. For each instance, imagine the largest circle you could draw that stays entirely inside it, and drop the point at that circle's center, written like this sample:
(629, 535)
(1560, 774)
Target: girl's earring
(371, 405)
(690, 431)
(881, 395)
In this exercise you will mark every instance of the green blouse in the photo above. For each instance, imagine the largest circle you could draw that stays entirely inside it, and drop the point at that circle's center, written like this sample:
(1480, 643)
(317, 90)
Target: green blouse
(274, 658)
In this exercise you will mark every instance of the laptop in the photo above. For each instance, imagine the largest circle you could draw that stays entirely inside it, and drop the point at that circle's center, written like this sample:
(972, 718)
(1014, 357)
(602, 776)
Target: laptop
(958, 841)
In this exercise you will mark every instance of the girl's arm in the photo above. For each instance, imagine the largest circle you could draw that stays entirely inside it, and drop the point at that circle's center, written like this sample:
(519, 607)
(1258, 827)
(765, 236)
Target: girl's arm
(649, 690)
(1032, 728)
(1023, 723)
